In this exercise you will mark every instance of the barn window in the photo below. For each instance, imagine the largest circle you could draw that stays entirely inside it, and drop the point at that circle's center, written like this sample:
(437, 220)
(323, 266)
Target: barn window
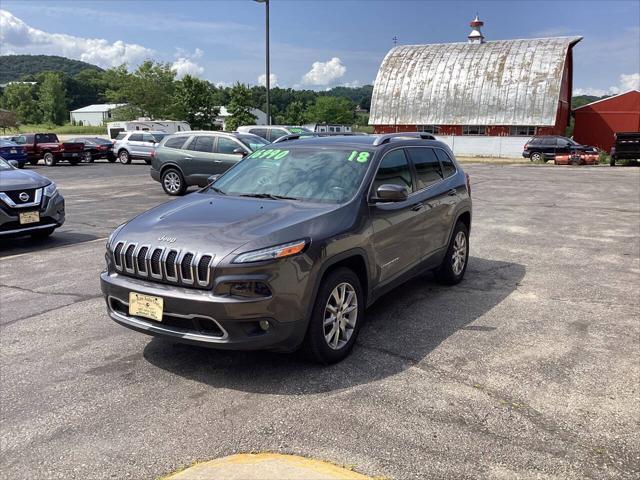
(435, 129)
(474, 130)
(522, 131)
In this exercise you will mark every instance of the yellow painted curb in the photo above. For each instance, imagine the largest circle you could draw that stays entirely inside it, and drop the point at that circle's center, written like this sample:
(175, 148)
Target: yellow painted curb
(265, 466)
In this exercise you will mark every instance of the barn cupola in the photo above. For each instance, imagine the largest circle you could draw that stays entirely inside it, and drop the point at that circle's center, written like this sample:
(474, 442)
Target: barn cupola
(476, 35)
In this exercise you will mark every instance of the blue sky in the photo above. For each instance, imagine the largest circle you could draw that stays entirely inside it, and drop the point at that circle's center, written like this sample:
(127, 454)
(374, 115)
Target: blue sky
(315, 44)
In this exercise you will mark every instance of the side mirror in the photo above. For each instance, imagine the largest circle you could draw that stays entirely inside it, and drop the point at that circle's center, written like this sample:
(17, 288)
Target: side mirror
(391, 193)
(240, 151)
(14, 163)
(212, 178)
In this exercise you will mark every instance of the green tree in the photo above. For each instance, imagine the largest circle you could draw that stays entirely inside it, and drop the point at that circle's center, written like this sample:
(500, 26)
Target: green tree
(239, 107)
(195, 102)
(20, 98)
(294, 113)
(52, 98)
(331, 110)
(148, 90)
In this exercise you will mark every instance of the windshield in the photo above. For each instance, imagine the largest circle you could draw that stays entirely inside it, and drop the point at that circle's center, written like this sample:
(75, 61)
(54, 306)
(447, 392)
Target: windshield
(159, 136)
(254, 142)
(313, 174)
(4, 165)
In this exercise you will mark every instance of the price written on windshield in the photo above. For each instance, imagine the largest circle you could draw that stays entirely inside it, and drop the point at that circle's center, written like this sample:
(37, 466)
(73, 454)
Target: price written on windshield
(362, 157)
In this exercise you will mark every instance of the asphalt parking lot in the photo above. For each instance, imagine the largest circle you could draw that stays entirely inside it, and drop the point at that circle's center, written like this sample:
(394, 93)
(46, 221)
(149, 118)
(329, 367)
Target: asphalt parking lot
(527, 369)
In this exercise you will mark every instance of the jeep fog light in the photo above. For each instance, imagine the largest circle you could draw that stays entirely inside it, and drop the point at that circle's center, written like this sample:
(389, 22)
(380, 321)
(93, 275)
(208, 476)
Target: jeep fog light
(264, 325)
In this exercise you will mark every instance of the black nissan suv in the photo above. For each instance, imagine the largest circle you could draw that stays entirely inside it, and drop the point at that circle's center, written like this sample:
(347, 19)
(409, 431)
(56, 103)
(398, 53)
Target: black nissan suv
(289, 246)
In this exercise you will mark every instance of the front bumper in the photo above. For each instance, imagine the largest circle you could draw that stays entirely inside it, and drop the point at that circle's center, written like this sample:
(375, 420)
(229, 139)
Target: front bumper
(52, 214)
(200, 317)
(525, 154)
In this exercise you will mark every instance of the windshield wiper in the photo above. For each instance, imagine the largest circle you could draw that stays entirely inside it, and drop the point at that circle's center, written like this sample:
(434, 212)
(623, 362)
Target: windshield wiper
(268, 195)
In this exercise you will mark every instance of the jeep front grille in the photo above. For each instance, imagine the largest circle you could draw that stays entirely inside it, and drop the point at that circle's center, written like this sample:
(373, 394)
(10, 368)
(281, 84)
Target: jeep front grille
(164, 264)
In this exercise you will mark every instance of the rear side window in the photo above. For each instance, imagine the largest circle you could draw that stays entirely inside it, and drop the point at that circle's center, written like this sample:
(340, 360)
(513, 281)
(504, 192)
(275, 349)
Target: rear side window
(46, 138)
(121, 135)
(427, 166)
(394, 169)
(226, 145)
(202, 143)
(448, 168)
(136, 137)
(175, 142)
(261, 132)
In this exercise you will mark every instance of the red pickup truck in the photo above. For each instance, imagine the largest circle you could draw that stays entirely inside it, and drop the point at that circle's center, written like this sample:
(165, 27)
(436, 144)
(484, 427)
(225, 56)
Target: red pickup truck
(48, 147)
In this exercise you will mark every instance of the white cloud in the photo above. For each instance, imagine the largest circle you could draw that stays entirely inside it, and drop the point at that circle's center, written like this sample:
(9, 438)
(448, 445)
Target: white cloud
(185, 66)
(627, 82)
(324, 73)
(273, 80)
(18, 37)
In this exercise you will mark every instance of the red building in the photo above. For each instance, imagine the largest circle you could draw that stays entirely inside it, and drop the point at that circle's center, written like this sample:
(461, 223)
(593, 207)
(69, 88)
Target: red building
(596, 122)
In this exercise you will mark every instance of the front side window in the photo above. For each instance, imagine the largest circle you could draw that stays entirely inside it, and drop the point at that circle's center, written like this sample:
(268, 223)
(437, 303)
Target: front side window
(46, 138)
(176, 142)
(226, 145)
(394, 169)
(306, 174)
(254, 142)
(261, 132)
(427, 166)
(202, 143)
(147, 137)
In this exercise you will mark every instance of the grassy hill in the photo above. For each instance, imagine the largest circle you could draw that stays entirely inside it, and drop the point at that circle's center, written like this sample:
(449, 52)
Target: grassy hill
(14, 67)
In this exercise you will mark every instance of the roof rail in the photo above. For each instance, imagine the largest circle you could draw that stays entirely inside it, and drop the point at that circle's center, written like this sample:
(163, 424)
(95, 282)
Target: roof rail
(382, 139)
(293, 136)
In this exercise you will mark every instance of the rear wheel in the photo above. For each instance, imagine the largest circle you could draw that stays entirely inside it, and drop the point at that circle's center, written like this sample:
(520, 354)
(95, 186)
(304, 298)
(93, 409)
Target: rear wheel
(173, 182)
(43, 233)
(124, 157)
(49, 159)
(454, 264)
(337, 315)
(536, 157)
(87, 157)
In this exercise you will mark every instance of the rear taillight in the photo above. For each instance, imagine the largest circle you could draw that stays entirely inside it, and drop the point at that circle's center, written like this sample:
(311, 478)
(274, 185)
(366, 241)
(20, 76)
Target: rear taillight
(468, 183)
(153, 154)
(526, 145)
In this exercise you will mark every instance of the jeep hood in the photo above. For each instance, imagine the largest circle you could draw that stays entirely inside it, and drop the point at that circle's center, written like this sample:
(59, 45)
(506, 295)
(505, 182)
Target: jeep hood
(218, 225)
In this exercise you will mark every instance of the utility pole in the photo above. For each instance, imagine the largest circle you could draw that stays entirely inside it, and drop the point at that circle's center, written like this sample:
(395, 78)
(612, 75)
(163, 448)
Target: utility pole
(268, 79)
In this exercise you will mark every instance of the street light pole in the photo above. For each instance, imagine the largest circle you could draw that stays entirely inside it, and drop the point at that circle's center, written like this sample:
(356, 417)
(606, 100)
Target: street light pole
(268, 79)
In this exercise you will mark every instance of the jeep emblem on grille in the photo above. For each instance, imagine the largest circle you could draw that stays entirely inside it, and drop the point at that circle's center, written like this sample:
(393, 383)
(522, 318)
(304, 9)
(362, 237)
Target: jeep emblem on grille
(164, 238)
(24, 196)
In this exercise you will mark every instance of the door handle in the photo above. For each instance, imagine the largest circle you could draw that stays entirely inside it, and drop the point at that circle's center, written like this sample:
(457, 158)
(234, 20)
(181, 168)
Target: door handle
(417, 206)
(452, 192)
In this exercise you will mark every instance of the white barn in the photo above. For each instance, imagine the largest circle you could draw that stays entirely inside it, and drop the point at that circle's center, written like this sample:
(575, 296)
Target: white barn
(94, 115)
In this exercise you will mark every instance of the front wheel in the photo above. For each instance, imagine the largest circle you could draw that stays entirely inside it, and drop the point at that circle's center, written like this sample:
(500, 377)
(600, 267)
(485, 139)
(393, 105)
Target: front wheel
(337, 315)
(173, 182)
(49, 159)
(454, 264)
(536, 157)
(124, 157)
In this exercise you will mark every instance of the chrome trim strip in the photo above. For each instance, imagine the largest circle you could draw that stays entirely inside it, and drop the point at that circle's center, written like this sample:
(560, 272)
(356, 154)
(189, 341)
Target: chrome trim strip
(180, 259)
(37, 197)
(155, 326)
(206, 282)
(165, 257)
(117, 259)
(28, 229)
(136, 254)
(157, 276)
(124, 251)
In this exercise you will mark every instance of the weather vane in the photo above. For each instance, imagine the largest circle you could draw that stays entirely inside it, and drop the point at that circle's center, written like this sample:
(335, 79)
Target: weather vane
(395, 40)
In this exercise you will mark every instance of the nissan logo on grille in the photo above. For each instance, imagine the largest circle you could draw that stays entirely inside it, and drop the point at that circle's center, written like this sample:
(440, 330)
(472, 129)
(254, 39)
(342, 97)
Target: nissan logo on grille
(24, 196)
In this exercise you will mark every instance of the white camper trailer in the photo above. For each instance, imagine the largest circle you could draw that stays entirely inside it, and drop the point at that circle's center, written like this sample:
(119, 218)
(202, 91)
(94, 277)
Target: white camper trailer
(146, 125)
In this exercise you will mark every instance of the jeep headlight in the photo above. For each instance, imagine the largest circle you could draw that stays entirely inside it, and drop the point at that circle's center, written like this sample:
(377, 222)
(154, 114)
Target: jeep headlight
(50, 190)
(114, 234)
(270, 253)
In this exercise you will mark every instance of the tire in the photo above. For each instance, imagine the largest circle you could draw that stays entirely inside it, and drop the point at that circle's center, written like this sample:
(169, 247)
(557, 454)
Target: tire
(34, 161)
(536, 156)
(111, 159)
(450, 271)
(321, 344)
(87, 157)
(43, 233)
(49, 159)
(124, 157)
(173, 182)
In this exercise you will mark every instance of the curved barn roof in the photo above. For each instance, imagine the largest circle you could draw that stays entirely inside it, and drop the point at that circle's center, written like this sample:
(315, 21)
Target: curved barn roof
(506, 82)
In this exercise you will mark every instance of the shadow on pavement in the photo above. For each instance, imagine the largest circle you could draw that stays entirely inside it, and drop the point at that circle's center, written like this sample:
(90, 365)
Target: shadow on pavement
(16, 246)
(401, 329)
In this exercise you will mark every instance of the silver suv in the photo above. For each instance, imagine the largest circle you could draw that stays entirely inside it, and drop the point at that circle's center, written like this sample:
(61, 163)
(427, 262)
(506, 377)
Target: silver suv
(136, 145)
(273, 132)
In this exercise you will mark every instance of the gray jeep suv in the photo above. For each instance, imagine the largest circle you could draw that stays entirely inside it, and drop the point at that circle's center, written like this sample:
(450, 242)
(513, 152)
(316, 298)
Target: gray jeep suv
(289, 246)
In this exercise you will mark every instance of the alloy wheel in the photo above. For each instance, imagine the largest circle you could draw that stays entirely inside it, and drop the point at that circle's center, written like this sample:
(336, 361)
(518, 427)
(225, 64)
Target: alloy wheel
(459, 256)
(340, 316)
(172, 182)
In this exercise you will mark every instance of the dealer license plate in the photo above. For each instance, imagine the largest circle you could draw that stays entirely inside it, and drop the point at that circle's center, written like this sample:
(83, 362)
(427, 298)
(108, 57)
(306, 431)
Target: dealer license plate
(146, 306)
(29, 217)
